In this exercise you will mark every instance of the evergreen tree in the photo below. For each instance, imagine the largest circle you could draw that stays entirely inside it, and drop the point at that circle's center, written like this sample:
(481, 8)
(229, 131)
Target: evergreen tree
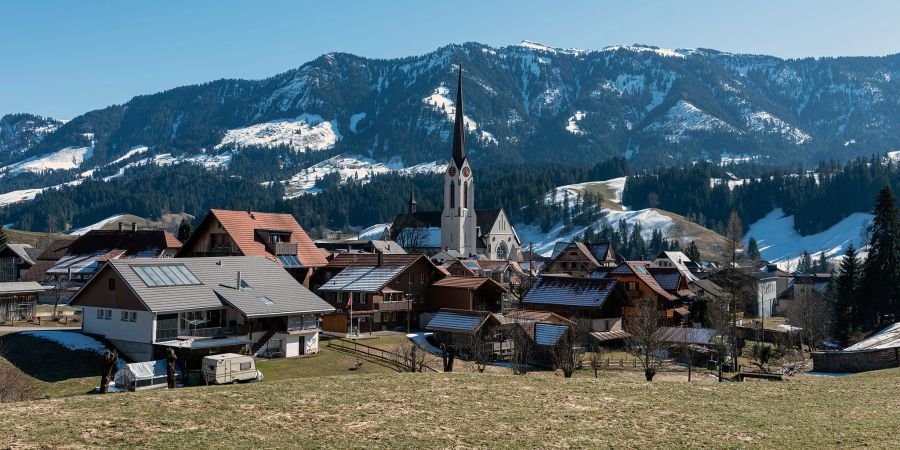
(184, 230)
(753, 249)
(693, 252)
(806, 263)
(881, 271)
(822, 266)
(4, 239)
(846, 301)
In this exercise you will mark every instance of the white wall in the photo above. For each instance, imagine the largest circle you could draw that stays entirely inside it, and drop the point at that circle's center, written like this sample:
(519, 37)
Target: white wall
(115, 329)
(766, 292)
(311, 344)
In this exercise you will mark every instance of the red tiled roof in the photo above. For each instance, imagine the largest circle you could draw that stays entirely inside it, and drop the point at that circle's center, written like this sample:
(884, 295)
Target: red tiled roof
(172, 241)
(240, 226)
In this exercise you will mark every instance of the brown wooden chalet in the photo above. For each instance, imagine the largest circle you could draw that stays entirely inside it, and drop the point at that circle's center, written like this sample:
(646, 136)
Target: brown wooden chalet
(597, 303)
(640, 283)
(469, 293)
(277, 237)
(580, 259)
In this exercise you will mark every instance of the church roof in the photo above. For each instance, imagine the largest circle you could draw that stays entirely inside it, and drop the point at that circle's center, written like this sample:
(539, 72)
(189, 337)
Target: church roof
(486, 218)
(459, 128)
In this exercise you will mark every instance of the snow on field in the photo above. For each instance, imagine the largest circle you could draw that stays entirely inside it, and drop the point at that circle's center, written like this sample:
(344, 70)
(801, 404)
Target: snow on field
(684, 118)
(544, 242)
(64, 159)
(354, 120)
(71, 340)
(21, 195)
(440, 102)
(305, 132)
(572, 123)
(136, 150)
(779, 242)
(731, 183)
(97, 226)
(374, 232)
(351, 168)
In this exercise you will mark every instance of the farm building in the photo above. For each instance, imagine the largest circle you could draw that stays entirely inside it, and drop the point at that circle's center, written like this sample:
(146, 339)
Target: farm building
(18, 300)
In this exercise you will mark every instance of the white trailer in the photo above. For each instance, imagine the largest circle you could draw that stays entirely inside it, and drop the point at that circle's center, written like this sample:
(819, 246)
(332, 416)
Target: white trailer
(229, 368)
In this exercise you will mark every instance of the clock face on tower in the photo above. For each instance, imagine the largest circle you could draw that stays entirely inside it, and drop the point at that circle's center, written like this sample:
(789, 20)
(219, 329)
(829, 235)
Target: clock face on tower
(452, 171)
(466, 172)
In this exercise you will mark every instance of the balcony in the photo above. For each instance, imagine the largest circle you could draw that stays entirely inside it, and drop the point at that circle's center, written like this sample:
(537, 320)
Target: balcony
(283, 248)
(400, 305)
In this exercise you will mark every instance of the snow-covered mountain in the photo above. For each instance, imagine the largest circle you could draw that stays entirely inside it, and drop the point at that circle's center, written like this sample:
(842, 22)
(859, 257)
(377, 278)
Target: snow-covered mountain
(20, 132)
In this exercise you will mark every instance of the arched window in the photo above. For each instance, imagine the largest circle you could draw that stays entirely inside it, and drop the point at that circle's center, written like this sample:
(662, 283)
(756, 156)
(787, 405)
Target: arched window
(452, 195)
(502, 251)
(465, 195)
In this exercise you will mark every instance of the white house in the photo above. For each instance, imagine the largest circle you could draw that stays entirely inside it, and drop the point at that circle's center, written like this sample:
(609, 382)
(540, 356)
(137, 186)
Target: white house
(145, 306)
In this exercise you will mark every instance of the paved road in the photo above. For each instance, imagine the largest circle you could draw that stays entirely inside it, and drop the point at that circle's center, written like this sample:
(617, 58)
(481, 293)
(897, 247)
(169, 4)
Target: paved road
(10, 330)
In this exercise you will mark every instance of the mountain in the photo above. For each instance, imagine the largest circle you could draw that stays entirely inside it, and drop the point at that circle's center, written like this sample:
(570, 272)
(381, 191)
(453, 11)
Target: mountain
(21, 132)
(525, 103)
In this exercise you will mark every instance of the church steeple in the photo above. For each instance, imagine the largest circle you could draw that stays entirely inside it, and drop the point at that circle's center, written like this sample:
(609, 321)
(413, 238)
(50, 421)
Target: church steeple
(412, 200)
(459, 127)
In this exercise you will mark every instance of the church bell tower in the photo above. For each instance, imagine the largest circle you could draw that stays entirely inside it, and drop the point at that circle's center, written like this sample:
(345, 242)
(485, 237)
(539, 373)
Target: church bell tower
(458, 225)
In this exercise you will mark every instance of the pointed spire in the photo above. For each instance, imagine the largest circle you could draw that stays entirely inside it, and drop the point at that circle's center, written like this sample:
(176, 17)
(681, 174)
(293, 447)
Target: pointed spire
(459, 127)
(412, 200)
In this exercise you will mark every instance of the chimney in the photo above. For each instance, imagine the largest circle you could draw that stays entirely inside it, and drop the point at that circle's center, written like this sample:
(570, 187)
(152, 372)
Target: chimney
(380, 258)
(121, 226)
(237, 282)
(133, 226)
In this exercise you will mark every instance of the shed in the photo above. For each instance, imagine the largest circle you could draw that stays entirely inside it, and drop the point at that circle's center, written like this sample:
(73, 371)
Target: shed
(464, 329)
(144, 375)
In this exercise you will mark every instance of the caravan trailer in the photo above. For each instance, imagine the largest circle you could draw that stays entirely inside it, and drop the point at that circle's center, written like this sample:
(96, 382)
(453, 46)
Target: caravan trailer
(229, 368)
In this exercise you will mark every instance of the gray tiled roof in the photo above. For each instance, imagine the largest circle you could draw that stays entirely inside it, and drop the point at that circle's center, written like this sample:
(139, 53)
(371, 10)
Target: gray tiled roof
(668, 278)
(698, 336)
(24, 251)
(368, 279)
(218, 277)
(454, 321)
(569, 291)
(548, 334)
(15, 287)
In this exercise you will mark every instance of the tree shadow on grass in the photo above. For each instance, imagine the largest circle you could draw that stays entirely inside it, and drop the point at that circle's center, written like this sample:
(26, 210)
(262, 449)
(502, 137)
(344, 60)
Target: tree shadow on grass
(48, 361)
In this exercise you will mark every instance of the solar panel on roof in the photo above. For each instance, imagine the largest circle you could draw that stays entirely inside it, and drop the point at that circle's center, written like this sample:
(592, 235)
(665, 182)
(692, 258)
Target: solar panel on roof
(174, 275)
(471, 264)
(290, 261)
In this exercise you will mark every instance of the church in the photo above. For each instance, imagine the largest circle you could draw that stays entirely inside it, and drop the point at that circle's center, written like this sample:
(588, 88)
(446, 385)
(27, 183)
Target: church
(459, 229)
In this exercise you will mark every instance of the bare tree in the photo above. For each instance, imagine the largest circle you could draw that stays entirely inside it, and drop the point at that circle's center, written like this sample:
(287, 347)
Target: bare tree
(596, 359)
(110, 357)
(735, 285)
(480, 352)
(567, 354)
(60, 286)
(645, 343)
(409, 357)
(412, 238)
(810, 312)
(718, 316)
(522, 347)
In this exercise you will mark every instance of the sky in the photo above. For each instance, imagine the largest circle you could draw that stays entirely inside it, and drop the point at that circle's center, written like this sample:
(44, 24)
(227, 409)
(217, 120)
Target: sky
(64, 58)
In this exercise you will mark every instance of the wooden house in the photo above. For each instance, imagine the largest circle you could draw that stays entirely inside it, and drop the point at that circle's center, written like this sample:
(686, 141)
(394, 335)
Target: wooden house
(465, 329)
(580, 259)
(15, 260)
(18, 300)
(597, 304)
(277, 237)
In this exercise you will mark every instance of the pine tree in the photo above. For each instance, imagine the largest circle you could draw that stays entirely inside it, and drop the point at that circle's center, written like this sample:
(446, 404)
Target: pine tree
(881, 271)
(753, 249)
(4, 239)
(693, 252)
(806, 263)
(846, 300)
(184, 230)
(822, 266)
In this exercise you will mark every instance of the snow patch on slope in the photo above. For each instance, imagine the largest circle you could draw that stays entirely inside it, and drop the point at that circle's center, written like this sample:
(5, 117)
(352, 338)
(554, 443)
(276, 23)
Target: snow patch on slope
(305, 132)
(354, 120)
(136, 150)
(763, 122)
(350, 168)
(572, 123)
(780, 243)
(63, 159)
(97, 226)
(683, 119)
(440, 102)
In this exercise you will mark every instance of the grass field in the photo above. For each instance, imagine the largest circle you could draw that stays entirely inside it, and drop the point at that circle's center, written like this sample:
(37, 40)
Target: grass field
(474, 410)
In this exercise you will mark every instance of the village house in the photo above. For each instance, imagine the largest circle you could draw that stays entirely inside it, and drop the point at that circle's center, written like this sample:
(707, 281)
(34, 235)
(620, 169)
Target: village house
(581, 259)
(472, 333)
(18, 300)
(673, 281)
(677, 260)
(376, 292)
(596, 304)
(360, 245)
(757, 290)
(277, 237)
(46, 259)
(84, 257)
(640, 284)
(459, 227)
(15, 260)
(469, 293)
(200, 306)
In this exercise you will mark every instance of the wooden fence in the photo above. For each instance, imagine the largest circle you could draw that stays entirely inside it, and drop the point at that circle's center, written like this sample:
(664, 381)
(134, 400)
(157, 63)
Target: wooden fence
(347, 345)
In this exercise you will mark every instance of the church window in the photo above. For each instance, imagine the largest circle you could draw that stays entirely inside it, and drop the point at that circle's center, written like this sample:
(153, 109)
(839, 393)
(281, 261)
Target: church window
(502, 251)
(452, 195)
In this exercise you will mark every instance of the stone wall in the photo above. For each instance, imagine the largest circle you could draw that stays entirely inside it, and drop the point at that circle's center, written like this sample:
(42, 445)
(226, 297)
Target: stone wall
(859, 361)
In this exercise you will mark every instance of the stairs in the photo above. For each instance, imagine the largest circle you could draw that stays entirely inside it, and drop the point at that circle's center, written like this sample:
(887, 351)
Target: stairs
(261, 342)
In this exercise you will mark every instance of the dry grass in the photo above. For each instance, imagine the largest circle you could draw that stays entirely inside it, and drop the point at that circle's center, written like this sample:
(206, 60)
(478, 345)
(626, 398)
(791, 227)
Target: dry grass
(35, 238)
(474, 411)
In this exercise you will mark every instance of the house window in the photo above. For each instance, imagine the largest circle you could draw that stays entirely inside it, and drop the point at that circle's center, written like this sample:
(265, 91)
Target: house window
(452, 196)
(409, 278)
(129, 316)
(104, 314)
(99, 313)
(631, 285)
(112, 284)
(124, 316)
(421, 278)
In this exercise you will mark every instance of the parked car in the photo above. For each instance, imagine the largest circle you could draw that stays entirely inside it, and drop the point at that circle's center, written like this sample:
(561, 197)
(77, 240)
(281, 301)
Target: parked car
(230, 368)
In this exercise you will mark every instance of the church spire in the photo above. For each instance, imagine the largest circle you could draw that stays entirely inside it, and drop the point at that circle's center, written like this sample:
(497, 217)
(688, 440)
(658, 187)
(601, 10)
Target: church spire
(459, 128)
(412, 200)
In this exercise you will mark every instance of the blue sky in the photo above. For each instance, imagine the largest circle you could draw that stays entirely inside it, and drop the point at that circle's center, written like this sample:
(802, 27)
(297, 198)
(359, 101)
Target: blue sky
(63, 58)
